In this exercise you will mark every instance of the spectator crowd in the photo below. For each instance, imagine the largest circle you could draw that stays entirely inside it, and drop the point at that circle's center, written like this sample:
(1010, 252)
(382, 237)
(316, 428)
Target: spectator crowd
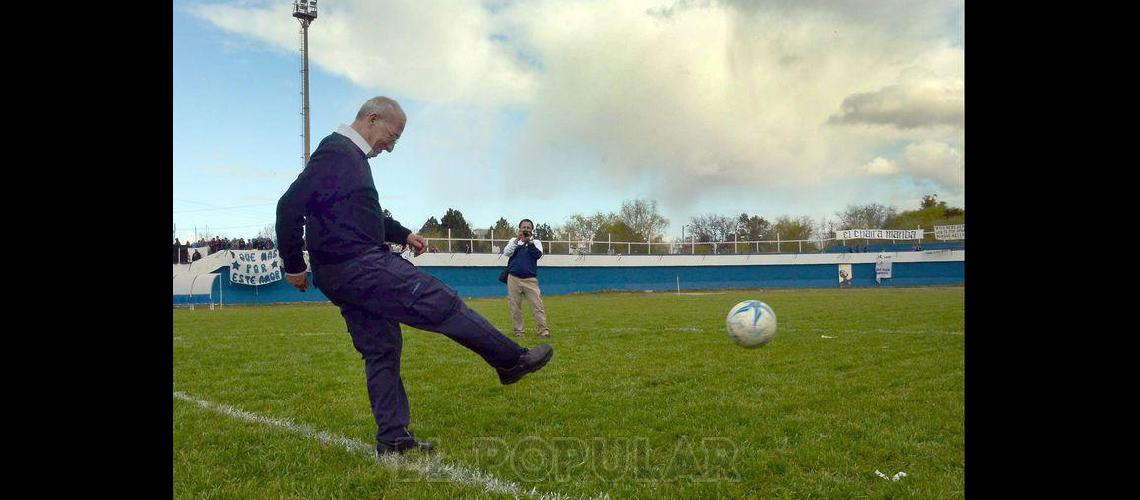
(185, 253)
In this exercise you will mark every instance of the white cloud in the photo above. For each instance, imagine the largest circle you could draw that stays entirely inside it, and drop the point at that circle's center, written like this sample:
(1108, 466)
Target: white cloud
(709, 96)
(881, 166)
(428, 50)
(675, 94)
(936, 161)
(928, 103)
(929, 94)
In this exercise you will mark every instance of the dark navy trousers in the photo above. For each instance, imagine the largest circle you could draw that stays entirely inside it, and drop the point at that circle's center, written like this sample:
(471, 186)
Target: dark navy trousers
(379, 290)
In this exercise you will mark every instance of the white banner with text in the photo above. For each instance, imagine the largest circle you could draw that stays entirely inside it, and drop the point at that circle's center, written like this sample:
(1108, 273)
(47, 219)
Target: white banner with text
(955, 232)
(879, 234)
(255, 267)
(883, 268)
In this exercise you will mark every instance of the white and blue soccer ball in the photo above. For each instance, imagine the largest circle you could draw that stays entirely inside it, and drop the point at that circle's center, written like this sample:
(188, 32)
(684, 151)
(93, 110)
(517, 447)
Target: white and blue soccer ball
(751, 323)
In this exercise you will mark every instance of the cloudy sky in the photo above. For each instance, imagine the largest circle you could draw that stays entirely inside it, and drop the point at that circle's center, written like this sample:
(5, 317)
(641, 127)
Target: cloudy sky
(544, 109)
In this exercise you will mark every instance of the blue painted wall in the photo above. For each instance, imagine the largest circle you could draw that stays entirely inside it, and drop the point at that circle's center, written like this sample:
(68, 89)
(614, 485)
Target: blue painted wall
(276, 292)
(483, 281)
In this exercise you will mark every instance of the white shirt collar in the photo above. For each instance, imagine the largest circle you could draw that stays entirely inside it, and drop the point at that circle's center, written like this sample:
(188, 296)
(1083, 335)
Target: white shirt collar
(357, 139)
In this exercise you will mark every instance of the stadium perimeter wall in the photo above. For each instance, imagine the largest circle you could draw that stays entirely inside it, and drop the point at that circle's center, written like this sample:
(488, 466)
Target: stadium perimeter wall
(476, 275)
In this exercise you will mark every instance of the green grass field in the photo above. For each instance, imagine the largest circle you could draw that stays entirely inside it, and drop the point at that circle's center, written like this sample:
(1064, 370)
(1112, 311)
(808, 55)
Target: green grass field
(645, 397)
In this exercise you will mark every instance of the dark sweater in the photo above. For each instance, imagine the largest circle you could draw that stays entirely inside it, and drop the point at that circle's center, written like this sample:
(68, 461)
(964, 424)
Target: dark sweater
(524, 262)
(336, 200)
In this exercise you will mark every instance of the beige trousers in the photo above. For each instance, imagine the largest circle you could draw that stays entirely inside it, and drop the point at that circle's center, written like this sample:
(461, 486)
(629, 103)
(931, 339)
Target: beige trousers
(518, 287)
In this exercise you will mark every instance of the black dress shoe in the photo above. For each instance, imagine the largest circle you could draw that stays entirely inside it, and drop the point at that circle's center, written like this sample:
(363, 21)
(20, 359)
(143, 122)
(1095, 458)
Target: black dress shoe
(402, 445)
(531, 361)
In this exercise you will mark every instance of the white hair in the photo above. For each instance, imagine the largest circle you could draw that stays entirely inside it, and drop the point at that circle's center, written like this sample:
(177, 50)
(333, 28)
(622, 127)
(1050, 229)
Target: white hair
(384, 107)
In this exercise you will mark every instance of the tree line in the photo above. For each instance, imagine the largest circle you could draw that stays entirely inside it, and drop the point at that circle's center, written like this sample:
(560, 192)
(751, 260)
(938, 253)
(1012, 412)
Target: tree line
(640, 221)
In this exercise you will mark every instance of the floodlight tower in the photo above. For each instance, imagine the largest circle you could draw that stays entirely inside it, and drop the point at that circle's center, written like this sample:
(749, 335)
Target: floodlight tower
(306, 12)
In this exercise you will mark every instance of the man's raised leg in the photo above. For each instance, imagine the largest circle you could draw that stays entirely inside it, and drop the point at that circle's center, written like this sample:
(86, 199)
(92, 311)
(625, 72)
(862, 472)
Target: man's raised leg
(388, 286)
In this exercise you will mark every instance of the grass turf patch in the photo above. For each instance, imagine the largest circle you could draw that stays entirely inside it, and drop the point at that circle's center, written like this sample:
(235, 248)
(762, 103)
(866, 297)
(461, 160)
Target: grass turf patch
(645, 396)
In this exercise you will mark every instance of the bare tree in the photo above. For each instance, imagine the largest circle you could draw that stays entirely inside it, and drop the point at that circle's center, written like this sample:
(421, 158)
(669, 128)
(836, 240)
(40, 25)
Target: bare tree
(268, 232)
(872, 216)
(206, 234)
(642, 216)
(557, 233)
(824, 228)
(581, 227)
(714, 227)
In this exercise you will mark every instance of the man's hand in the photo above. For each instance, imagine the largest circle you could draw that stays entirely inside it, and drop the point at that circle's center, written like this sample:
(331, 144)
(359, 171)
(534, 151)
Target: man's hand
(418, 243)
(300, 281)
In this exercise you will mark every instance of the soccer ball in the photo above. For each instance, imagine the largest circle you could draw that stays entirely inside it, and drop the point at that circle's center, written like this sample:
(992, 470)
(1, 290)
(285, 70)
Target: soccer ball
(751, 323)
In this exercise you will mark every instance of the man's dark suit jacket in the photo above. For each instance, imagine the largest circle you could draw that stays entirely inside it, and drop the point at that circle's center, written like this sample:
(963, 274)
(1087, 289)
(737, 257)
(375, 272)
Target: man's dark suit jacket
(336, 200)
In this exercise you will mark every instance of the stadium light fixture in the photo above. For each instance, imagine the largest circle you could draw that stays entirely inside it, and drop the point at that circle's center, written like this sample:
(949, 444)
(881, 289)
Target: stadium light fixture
(306, 12)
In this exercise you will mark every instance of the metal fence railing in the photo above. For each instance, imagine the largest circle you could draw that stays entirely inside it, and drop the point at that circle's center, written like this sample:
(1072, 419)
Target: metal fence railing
(690, 246)
(591, 247)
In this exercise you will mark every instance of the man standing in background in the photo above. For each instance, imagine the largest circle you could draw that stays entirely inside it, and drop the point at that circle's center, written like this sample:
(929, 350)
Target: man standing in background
(523, 252)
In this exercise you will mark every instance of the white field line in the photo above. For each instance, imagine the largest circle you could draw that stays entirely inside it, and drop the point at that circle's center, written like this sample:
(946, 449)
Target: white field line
(893, 331)
(431, 466)
(209, 336)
